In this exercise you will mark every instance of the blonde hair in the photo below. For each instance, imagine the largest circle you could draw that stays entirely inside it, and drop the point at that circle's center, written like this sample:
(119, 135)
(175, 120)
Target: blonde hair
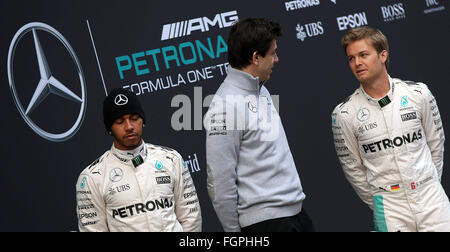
(375, 37)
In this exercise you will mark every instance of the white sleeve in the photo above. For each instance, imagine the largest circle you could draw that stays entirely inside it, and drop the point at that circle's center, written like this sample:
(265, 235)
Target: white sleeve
(91, 211)
(347, 150)
(222, 154)
(434, 131)
(187, 206)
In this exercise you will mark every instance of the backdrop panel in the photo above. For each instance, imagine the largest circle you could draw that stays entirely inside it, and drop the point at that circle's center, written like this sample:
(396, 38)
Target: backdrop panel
(173, 54)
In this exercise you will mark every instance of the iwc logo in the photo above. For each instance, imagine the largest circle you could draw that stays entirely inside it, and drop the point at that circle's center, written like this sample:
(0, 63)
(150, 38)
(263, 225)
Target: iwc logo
(48, 83)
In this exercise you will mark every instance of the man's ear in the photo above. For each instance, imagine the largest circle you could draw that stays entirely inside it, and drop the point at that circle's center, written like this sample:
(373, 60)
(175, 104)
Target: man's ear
(255, 58)
(384, 55)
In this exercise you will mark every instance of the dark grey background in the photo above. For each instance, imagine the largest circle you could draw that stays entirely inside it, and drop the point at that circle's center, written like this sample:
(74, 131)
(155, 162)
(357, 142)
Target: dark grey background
(38, 176)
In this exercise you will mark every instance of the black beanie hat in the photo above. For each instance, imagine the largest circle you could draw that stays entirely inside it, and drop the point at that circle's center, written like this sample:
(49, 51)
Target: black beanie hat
(118, 103)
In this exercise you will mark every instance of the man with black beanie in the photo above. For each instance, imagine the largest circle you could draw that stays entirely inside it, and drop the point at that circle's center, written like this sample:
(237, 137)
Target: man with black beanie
(122, 110)
(135, 186)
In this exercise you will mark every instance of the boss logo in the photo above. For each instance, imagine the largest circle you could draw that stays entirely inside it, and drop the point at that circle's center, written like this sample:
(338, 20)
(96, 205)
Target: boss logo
(393, 12)
(163, 180)
(409, 116)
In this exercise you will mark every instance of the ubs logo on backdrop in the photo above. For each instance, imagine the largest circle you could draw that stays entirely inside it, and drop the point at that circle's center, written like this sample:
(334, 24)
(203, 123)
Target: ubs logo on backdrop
(393, 12)
(309, 30)
(48, 83)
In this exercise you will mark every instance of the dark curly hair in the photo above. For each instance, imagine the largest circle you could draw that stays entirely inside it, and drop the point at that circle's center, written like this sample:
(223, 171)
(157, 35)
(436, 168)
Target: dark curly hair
(248, 36)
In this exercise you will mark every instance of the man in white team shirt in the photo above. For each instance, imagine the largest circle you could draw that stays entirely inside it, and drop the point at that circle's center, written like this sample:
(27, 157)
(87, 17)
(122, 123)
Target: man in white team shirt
(390, 141)
(135, 186)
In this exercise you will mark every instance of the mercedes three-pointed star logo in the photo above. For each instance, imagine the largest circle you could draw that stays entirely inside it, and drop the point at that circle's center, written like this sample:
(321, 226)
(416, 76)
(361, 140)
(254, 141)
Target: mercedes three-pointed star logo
(363, 114)
(120, 100)
(115, 175)
(252, 107)
(48, 83)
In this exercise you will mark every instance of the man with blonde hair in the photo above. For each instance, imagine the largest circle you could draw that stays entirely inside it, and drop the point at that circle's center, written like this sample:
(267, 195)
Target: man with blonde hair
(389, 140)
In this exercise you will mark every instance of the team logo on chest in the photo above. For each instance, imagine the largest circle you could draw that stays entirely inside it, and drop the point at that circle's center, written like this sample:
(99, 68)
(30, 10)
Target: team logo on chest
(83, 183)
(363, 115)
(116, 175)
(404, 101)
(252, 107)
(158, 165)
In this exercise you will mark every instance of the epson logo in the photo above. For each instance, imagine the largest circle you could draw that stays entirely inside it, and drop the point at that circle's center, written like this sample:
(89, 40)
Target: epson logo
(203, 24)
(352, 21)
(393, 12)
(87, 215)
(190, 194)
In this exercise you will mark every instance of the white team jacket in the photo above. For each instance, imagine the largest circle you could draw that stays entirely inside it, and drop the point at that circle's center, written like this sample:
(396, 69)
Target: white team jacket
(157, 195)
(396, 142)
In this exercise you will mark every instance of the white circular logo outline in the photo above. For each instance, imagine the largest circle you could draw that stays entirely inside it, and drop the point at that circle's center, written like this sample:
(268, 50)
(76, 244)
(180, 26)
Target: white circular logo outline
(121, 100)
(47, 135)
(116, 175)
(362, 115)
(252, 107)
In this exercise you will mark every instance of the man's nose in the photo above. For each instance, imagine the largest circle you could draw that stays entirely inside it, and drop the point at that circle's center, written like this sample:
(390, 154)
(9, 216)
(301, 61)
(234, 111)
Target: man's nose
(357, 61)
(276, 60)
(128, 124)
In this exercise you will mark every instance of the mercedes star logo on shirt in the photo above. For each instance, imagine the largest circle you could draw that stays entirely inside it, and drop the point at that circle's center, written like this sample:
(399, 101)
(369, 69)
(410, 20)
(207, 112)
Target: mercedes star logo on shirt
(116, 175)
(363, 115)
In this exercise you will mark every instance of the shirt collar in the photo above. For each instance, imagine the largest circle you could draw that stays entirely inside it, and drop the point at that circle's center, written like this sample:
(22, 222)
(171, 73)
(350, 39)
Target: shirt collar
(386, 99)
(242, 79)
(126, 155)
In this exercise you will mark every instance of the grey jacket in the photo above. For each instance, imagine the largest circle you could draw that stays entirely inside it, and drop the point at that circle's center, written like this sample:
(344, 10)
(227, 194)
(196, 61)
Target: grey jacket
(251, 172)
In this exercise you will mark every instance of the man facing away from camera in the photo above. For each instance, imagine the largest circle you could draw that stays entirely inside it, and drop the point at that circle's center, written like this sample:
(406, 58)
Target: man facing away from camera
(252, 178)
